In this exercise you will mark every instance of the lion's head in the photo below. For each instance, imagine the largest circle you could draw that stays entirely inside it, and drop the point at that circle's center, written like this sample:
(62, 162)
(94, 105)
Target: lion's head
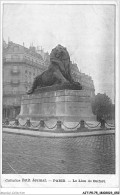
(59, 56)
(60, 53)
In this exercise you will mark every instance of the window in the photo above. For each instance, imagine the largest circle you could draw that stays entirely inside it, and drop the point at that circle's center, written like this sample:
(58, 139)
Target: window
(15, 81)
(15, 56)
(26, 78)
(16, 48)
(15, 69)
(14, 90)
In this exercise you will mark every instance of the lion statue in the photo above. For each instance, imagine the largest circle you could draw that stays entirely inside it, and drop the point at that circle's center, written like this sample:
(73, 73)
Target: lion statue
(58, 71)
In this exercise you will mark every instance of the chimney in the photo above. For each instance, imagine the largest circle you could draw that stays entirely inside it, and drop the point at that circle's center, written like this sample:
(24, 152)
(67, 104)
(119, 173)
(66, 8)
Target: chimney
(8, 39)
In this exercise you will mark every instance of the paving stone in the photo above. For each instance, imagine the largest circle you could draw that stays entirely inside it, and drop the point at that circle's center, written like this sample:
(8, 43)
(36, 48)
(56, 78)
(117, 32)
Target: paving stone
(42, 155)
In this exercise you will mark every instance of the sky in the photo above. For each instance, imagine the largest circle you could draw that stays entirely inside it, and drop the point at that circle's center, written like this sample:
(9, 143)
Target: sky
(87, 31)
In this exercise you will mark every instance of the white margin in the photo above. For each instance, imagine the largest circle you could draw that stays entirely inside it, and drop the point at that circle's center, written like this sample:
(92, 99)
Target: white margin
(117, 100)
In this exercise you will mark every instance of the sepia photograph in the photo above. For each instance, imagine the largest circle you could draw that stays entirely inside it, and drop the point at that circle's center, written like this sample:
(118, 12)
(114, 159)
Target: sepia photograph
(58, 91)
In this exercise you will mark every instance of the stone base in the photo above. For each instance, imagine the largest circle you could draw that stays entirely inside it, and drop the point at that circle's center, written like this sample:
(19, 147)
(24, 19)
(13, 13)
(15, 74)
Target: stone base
(63, 105)
(58, 87)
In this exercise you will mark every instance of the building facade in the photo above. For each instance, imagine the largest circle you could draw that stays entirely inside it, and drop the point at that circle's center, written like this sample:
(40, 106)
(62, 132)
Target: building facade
(20, 66)
(84, 79)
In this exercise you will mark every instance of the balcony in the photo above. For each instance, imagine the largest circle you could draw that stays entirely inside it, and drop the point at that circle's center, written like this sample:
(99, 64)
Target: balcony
(15, 72)
(15, 83)
(11, 60)
(13, 93)
(26, 61)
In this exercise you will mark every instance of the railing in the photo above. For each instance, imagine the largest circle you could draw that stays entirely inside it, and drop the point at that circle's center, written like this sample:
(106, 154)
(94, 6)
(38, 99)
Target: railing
(58, 127)
(13, 60)
(15, 72)
(27, 61)
(15, 82)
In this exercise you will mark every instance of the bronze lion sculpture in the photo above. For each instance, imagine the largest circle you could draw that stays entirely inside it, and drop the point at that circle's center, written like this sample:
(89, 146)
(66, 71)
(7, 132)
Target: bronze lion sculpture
(58, 71)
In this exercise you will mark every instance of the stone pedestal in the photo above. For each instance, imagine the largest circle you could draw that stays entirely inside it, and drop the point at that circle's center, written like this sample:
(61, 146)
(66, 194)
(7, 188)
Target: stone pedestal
(63, 105)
